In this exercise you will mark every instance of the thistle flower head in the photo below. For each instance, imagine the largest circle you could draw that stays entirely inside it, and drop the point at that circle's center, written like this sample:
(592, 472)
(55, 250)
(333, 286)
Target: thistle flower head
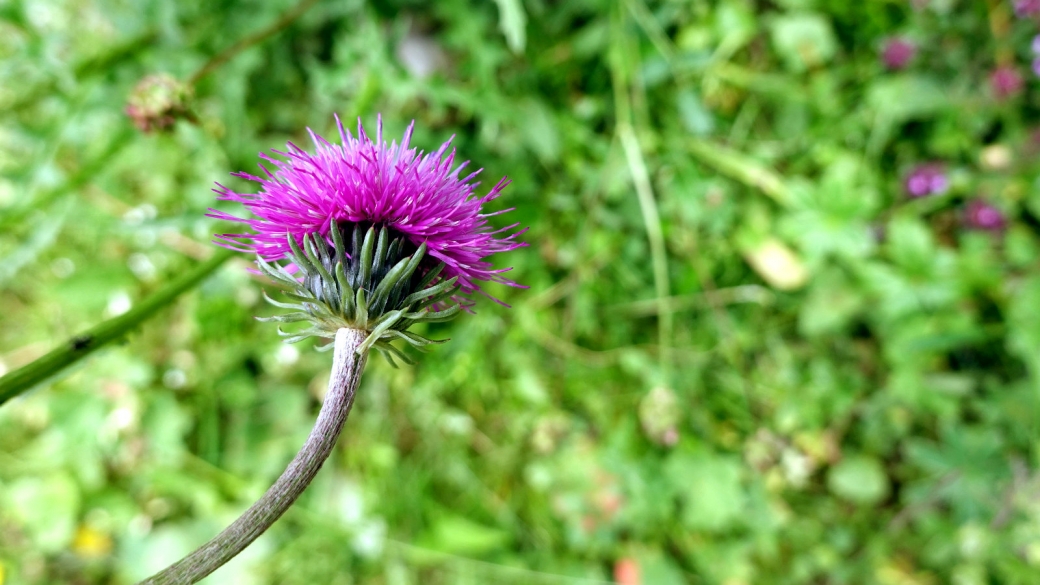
(1026, 8)
(422, 197)
(373, 236)
(980, 215)
(157, 101)
(1006, 82)
(897, 53)
(926, 179)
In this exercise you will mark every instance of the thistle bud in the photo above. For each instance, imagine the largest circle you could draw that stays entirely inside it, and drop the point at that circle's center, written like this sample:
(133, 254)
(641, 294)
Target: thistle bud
(157, 101)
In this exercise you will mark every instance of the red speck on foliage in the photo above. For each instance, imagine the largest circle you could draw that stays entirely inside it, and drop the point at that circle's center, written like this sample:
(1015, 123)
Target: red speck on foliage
(626, 571)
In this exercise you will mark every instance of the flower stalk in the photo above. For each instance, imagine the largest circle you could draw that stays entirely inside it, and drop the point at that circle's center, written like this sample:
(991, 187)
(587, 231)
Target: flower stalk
(367, 239)
(348, 364)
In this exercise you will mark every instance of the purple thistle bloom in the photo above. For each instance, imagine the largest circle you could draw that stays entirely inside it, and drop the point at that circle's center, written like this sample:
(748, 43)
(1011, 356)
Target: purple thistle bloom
(1036, 66)
(1027, 8)
(924, 180)
(980, 215)
(1006, 81)
(897, 53)
(419, 196)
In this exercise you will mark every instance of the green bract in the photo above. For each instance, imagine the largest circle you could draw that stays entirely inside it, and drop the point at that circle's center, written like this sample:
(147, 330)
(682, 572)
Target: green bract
(379, 287)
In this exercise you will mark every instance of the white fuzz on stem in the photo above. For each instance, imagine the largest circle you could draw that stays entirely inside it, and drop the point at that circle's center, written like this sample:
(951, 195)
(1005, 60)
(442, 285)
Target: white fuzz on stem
(347, 367)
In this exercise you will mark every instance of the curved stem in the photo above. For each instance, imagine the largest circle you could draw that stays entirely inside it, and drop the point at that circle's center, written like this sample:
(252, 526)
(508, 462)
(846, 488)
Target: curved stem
(346, 374)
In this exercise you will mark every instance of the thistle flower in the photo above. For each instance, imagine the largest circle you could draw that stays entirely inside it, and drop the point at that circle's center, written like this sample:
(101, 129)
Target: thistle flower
(1026, 8)
(377, 236)
(659, 415)
(157, 101)
(369, 238)
(980, 215)
(1006, 81)
(927, 179)
(897, 53)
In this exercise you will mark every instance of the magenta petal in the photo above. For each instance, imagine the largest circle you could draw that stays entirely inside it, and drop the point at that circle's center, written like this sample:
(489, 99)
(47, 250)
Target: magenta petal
(416, 194)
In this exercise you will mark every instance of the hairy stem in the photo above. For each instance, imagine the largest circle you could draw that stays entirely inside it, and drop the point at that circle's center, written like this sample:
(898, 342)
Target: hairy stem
(347, 367)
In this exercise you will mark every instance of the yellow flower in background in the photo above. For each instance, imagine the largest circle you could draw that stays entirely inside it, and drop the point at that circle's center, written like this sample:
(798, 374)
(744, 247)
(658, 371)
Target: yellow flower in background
(89, 543)
(778, 265)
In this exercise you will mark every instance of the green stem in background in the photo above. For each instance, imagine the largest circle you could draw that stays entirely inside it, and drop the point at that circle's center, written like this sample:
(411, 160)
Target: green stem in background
(740, 167)
(645, 195)
(654, 233)
(106, 332)
(347, 367)
(253, 39)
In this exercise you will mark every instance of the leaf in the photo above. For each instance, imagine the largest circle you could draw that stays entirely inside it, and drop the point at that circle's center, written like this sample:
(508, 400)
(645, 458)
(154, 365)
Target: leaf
(904, 97)
(47, 507)
(512, 21)
(778, 265)
(540, 131)
(1024, 324)
(803, 40)
(710, 489)
(694, 115)
(461, 536)
(832, 304)
(859, 479)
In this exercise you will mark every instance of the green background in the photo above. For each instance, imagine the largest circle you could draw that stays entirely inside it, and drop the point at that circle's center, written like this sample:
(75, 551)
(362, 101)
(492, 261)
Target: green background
(745, 355)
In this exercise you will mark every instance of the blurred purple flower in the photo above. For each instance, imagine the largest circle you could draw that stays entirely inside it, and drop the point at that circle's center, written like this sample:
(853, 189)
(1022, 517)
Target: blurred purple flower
(928, 179)
(980, 215)
(419, 196)
(1006, 81)
(1036, 66)
(1027, 8)
(897, 53)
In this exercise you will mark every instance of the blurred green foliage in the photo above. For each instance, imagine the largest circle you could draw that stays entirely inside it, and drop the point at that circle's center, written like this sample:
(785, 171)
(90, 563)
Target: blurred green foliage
(829, 382)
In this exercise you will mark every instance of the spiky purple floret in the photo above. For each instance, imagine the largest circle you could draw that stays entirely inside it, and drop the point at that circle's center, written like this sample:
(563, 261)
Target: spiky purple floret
(897, 53)
(418, 195)
(927, 179)
(980, 215)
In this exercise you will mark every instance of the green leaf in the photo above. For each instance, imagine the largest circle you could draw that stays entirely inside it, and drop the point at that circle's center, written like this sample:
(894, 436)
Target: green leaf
(859, 479)
(461, 536)
(803, 40)
(512, 21)
(47, 507)
(710, 489)
(696, 118)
